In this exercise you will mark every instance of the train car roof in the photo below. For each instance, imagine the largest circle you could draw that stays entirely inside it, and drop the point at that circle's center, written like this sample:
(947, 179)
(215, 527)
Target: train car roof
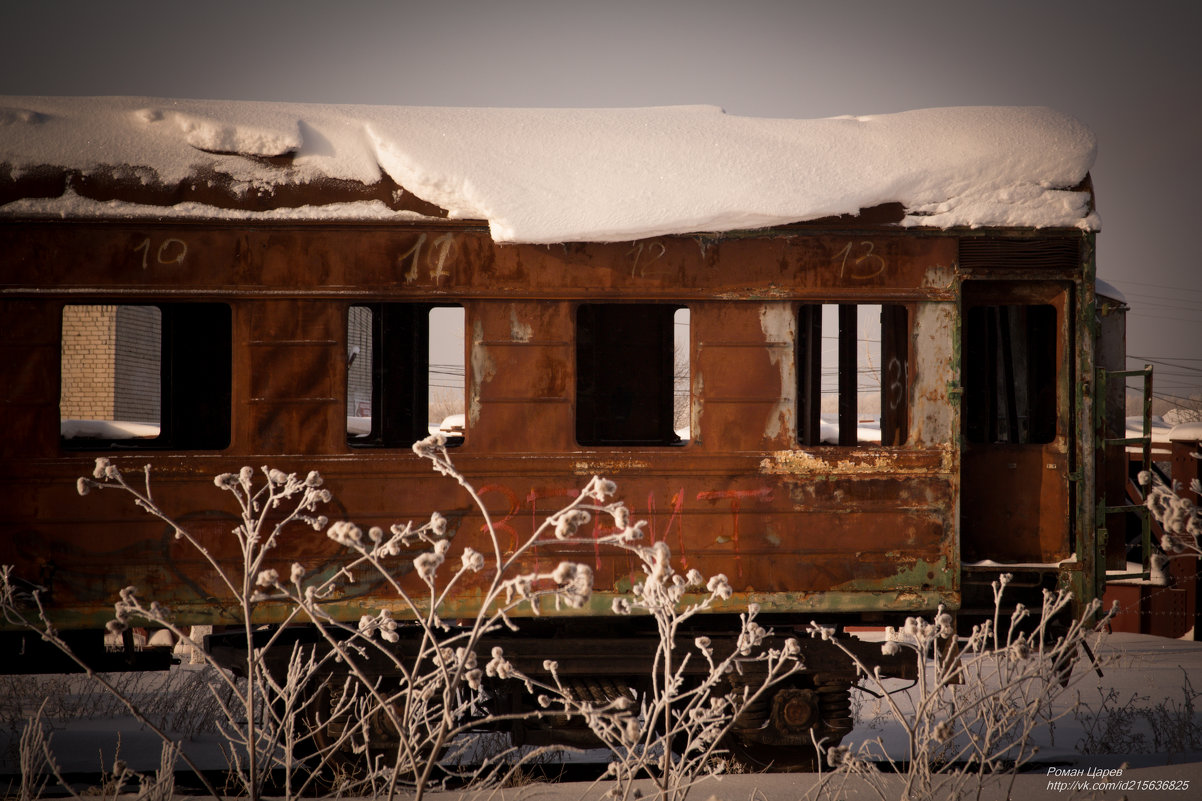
(540, 175)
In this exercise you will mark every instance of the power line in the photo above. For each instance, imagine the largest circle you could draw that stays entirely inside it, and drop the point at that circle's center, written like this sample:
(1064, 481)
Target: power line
(1162, 317)
(1157, 286)
(1167, 359)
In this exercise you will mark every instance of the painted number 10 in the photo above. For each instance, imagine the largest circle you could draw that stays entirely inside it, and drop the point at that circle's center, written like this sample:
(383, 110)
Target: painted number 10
(169, 251)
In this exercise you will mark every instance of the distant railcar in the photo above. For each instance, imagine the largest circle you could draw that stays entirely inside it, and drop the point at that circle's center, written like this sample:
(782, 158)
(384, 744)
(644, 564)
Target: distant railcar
(960, 439)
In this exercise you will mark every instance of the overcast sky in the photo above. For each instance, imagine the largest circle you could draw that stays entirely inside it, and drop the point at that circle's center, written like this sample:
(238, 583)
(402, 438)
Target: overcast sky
(1128, 70)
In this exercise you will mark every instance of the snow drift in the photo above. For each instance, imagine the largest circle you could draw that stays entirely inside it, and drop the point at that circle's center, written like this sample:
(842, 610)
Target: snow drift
(544, 175)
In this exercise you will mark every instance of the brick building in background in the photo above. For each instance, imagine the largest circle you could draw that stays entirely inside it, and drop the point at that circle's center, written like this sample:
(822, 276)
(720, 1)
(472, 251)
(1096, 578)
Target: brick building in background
(111, 357)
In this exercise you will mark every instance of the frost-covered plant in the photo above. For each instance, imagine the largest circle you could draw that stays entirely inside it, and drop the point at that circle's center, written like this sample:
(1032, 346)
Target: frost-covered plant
(34, 757)
(675, 736)
(970, 715)
(260, 736)
(1139, 726)
(15, 614)
(178, 701)
(120, 781)
(37, 765)
(405, 669)
(1178, 517)
(435, 688)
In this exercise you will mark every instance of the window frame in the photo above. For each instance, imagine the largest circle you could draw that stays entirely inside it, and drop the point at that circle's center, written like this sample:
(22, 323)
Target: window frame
(650, 389)
(896, 329)
(400, 387)
(195, 379)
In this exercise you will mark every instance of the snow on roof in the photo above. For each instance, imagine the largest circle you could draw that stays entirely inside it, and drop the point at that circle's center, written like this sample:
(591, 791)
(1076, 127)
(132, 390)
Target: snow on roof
(1158, 429)
(1108, 290)
(540, 175)
(1186, 432)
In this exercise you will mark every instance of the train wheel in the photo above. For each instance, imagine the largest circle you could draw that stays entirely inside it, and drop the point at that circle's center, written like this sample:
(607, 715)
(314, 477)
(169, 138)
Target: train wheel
(777, 732)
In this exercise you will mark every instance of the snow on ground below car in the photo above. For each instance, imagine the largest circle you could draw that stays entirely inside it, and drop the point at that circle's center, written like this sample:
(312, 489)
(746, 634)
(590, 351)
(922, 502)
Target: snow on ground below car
(1147, 682)
(556, 175)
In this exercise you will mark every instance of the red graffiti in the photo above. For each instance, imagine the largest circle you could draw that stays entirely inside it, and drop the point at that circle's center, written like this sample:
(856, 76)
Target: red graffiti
(503, 524)
(675, 516)
(601, 527)
(533, 498)
(763, 494)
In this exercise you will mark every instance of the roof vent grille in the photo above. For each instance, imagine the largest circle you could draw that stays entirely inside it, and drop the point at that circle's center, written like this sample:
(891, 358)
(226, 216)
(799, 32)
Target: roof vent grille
(1052, 253)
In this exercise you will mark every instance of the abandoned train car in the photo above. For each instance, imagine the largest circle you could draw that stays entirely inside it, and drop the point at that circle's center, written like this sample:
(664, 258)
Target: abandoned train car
(663, 297)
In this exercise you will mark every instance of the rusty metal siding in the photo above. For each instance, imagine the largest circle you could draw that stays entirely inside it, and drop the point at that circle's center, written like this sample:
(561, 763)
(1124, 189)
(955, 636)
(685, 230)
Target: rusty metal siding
(521, 375)
(291, 371)
(744, 376)
(859, 529)
(382, 262)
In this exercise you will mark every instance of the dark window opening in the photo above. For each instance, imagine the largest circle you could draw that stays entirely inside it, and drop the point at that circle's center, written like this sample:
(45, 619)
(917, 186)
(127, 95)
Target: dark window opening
(146, 376)
(625, 377)
(852, 374)
(405, 374)
(1010, 374)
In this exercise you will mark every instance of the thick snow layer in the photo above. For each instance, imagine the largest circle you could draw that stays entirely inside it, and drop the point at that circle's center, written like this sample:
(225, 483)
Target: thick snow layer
(553, 175)
(1186, 432)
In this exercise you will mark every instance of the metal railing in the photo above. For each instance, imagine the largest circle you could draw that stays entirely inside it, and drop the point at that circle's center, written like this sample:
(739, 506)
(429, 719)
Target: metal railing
(1145, 441)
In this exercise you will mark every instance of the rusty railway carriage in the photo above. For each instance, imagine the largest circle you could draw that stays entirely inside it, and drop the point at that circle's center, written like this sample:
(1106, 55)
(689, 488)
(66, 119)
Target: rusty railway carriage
(985, 462)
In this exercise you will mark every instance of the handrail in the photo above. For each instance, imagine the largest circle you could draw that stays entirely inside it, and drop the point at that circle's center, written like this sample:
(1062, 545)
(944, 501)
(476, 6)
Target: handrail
(1103, 377)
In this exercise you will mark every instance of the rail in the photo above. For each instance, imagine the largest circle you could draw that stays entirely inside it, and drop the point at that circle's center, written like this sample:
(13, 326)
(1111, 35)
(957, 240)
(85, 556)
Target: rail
(1145, 440)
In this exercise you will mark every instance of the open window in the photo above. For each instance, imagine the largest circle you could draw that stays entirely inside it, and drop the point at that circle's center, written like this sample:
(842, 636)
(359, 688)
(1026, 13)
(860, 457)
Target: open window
(145, 376)
(852, 373)
(631, 366)
(405, 374)
(1010, 374)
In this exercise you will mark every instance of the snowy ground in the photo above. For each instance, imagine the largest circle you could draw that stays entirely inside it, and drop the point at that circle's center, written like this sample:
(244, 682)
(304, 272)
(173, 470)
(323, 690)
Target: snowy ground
(1137, 724)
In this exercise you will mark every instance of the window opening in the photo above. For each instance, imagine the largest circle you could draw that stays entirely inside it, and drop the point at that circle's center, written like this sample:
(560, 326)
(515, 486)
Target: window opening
(852, 374)
(1010, 374)
(145, 376)
(626, 376)
(405, 374)
(682, 387)
(447, 393)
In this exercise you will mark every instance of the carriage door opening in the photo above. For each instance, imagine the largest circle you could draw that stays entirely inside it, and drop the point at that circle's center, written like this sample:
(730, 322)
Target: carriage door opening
(1017, 423)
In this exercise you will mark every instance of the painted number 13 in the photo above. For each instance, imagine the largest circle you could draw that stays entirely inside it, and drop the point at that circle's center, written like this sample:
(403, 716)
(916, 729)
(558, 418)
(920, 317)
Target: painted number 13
(867, 264)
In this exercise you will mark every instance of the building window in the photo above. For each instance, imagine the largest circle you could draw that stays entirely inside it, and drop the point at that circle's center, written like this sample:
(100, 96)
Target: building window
(853, 374)
(1010, 374)
(151, 376)
(405, 374)
(631, 367)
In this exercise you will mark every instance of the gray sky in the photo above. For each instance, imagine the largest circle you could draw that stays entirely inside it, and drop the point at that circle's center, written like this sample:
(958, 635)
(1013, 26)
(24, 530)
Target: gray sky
(1129, 71)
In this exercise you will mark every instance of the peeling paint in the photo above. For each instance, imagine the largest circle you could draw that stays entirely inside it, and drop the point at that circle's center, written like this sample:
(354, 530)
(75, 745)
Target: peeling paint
(519, 331)
(606, 467)
(799, 462)
(940, 276)
(933, 414)
(779, 324)
(483, 370)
